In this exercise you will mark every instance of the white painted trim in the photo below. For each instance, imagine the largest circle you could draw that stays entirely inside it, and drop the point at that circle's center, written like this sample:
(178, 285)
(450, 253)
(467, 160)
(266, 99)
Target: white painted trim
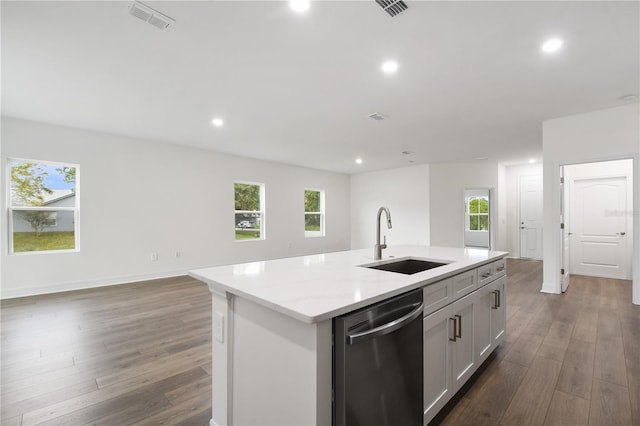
(551, 288)
(635, 268)
(83, 285)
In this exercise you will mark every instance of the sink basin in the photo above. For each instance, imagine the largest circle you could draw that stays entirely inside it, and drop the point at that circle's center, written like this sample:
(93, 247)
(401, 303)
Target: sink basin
(406, 266)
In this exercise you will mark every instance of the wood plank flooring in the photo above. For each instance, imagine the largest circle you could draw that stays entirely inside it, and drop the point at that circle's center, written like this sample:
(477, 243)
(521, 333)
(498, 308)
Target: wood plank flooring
(131, 354)
(141, 354)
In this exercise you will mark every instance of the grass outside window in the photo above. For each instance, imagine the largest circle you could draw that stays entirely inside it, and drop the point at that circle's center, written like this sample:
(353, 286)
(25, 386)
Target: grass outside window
(30, 242)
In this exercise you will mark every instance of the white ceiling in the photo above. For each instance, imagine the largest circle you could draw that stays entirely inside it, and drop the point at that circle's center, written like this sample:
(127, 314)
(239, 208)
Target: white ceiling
(298, 89)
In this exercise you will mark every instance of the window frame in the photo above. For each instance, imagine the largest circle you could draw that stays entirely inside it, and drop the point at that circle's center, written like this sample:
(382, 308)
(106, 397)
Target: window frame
(11, 209)
(261, 212)
(321, 202)
(477, 215)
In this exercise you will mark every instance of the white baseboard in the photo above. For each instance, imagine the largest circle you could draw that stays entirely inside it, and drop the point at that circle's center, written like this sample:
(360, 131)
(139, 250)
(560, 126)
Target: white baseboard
(551, 288)
(83, 285)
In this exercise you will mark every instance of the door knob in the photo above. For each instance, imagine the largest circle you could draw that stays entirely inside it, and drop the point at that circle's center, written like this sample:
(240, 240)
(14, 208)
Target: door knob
(620, 233)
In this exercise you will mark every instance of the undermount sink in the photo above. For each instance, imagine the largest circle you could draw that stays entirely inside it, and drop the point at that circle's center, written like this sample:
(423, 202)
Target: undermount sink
(407, 266)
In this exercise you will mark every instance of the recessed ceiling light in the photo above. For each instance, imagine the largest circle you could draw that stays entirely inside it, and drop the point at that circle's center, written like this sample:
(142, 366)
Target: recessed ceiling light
(299, 6)
(389, 67)
(218, 122)
(629, 97)
(552, 45)
(358, 160)
(532, 160)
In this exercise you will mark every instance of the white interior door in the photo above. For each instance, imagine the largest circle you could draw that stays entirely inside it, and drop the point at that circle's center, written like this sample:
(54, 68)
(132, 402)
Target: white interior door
(599, 227)
(531, 217)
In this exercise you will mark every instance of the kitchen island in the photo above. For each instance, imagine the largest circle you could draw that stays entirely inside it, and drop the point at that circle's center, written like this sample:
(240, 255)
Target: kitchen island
(272, 323)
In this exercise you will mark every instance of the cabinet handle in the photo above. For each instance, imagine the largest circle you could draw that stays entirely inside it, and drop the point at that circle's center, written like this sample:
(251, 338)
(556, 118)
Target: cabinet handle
(454, 329)
(459, 333)
(499, 296)
(500, 268)
(495, 299)
(486, 275)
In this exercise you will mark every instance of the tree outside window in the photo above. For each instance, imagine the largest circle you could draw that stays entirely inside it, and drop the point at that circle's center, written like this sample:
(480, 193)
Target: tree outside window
(313, 213)
(477, 214)
(43, 206)
(249, 211)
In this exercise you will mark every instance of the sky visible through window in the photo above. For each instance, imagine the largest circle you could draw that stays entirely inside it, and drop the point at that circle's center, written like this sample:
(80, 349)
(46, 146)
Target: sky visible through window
(55, 179)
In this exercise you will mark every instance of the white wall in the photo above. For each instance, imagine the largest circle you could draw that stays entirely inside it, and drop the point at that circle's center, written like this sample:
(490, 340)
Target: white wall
(405, 192)
(513, 174)
(600, 135)
(139, 197)
(447, 185)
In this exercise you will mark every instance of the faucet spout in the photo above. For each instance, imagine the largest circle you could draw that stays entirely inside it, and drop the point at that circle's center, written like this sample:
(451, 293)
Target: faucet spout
(377, 249)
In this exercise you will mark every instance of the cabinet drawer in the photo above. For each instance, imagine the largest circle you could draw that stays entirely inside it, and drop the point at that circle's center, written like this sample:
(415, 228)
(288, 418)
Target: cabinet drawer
(500, 267)
(465, 283)
(437, 295)
(485, 273)
(491, 271)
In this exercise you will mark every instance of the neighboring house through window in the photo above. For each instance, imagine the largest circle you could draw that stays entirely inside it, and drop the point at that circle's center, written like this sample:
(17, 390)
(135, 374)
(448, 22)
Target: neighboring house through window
(43, 207)
(313, 213)
(249, 211)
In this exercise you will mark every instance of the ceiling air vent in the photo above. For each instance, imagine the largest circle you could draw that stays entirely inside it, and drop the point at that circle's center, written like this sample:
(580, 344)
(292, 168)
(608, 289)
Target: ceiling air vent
(152, 16)
(392, 7)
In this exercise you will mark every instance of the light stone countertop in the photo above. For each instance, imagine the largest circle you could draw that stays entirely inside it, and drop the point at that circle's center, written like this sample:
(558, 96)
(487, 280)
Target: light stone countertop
(318, 287)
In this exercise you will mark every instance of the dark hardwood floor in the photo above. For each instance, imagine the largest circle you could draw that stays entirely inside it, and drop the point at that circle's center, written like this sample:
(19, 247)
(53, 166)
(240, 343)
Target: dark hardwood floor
(129, 354)
(141, 354)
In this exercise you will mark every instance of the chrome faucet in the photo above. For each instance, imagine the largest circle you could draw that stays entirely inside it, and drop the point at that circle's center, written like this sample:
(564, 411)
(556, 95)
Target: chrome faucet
(377, 249)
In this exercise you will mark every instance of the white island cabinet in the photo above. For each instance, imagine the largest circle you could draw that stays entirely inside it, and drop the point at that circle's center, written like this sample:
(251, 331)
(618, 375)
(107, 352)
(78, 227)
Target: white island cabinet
(272, 326)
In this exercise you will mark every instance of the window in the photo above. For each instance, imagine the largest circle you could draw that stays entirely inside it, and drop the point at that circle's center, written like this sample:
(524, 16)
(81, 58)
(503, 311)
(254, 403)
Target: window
(477, 214)
(43, 206)
(313, 213)
(249, 211)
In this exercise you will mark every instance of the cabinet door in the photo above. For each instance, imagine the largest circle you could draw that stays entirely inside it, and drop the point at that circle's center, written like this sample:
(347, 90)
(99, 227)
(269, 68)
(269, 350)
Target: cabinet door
(499, 311)
(483, 336)
(438, 389)
(463, 357)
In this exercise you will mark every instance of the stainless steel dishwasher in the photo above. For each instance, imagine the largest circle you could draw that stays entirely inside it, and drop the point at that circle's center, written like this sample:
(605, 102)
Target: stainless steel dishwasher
(377, 370)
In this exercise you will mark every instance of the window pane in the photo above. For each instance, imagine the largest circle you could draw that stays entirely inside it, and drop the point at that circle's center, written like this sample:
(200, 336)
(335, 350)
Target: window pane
(311, 201)
(248, 226)
(473, 223)
(484, 222)
(483, 205)
(38, 230)
(39, 184)
(473, 205)
(247, 197)
(312, 222)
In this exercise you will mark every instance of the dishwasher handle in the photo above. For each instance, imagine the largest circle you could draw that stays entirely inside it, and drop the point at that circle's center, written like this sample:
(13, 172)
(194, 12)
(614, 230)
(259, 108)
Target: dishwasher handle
(385, 328)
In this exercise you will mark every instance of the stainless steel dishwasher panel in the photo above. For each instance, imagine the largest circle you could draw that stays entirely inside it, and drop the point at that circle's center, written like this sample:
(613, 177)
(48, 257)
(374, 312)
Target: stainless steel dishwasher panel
(378, 364)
